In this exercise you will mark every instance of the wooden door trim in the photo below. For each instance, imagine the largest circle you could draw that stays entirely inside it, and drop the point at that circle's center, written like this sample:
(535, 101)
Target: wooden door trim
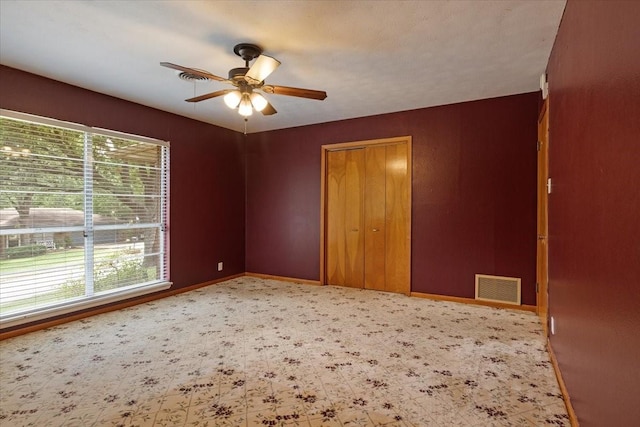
(365, 143)
(542, 259)
(323, 190)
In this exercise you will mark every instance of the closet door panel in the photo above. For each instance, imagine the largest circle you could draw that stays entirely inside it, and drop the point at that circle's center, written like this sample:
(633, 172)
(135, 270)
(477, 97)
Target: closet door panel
(398, 213)
(374, 214)
(354, 218)
(336, 205)
(367, 205)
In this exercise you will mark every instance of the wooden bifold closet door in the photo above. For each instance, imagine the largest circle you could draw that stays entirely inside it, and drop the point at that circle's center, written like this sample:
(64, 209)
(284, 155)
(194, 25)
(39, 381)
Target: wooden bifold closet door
(368, 217)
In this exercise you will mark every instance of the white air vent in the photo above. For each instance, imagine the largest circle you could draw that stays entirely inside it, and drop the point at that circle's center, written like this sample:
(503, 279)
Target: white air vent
(190, 77)
(498, 289)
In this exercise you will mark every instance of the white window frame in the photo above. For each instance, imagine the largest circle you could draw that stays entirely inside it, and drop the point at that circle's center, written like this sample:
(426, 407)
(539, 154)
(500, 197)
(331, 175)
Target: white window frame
(89, 300)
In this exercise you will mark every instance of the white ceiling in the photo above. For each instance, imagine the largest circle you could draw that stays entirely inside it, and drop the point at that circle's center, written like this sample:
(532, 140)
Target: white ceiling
(371, 57)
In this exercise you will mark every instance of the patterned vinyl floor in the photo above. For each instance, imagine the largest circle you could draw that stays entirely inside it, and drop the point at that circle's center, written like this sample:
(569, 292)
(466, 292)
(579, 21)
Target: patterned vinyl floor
(256, 352)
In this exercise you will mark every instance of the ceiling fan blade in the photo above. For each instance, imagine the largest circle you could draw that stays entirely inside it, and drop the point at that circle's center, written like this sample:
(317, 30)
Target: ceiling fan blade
(294, 91)
(268, 110)
(209, 95)
(260, 69)
(188, 70)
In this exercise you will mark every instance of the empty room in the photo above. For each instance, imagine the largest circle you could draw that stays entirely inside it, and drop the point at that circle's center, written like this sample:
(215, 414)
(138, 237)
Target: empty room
(319, 213)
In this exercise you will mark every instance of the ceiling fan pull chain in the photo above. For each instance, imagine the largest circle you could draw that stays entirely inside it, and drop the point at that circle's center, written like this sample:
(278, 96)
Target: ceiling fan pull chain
(245, 125)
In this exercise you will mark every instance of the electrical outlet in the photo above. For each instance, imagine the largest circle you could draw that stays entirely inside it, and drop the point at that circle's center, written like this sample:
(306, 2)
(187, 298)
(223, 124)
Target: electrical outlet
(553, 326)
(220, 266)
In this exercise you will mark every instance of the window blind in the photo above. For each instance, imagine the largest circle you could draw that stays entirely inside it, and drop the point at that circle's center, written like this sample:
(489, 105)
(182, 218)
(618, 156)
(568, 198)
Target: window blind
(83, 216)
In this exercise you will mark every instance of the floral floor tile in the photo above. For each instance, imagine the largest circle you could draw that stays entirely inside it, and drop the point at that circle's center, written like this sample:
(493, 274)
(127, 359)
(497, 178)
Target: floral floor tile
(356, 419)
(552, 415)
(325, 422)
(257, 352)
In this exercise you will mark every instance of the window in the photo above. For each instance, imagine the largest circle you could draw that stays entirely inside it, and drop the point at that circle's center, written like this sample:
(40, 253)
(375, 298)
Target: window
(83, 217)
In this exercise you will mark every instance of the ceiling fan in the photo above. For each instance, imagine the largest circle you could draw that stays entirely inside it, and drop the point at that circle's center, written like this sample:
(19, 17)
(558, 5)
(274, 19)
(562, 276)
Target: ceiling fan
(248, 82)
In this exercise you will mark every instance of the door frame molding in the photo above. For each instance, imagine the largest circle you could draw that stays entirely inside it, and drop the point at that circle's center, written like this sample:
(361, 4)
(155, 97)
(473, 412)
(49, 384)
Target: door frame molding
(542, 219)
(323, 189)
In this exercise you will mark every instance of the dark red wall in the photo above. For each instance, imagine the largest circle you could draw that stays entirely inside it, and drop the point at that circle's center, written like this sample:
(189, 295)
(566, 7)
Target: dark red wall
(207, 168)
(473, 185)
(594, 209)
(474, 193)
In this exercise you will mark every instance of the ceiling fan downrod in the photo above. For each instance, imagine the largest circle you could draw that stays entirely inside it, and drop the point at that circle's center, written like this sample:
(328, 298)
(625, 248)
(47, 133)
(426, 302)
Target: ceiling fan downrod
(247, 51)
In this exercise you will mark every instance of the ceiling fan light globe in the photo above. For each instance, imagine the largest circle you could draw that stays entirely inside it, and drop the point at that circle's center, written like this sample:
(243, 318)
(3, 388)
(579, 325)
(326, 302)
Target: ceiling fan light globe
(258, 101)
(232, 99)
(245, 108)
(261, 68)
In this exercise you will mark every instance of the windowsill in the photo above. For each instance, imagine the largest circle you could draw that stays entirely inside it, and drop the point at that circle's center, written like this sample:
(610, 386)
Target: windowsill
(49, 312)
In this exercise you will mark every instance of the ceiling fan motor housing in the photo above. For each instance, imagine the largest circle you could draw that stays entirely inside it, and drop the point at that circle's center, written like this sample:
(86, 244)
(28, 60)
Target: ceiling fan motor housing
(236, 74)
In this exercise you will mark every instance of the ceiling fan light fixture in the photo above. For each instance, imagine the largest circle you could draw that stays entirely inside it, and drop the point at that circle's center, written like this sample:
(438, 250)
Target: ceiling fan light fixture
(245, 108)
(232, 99)
(258, 101)
(245, 80)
